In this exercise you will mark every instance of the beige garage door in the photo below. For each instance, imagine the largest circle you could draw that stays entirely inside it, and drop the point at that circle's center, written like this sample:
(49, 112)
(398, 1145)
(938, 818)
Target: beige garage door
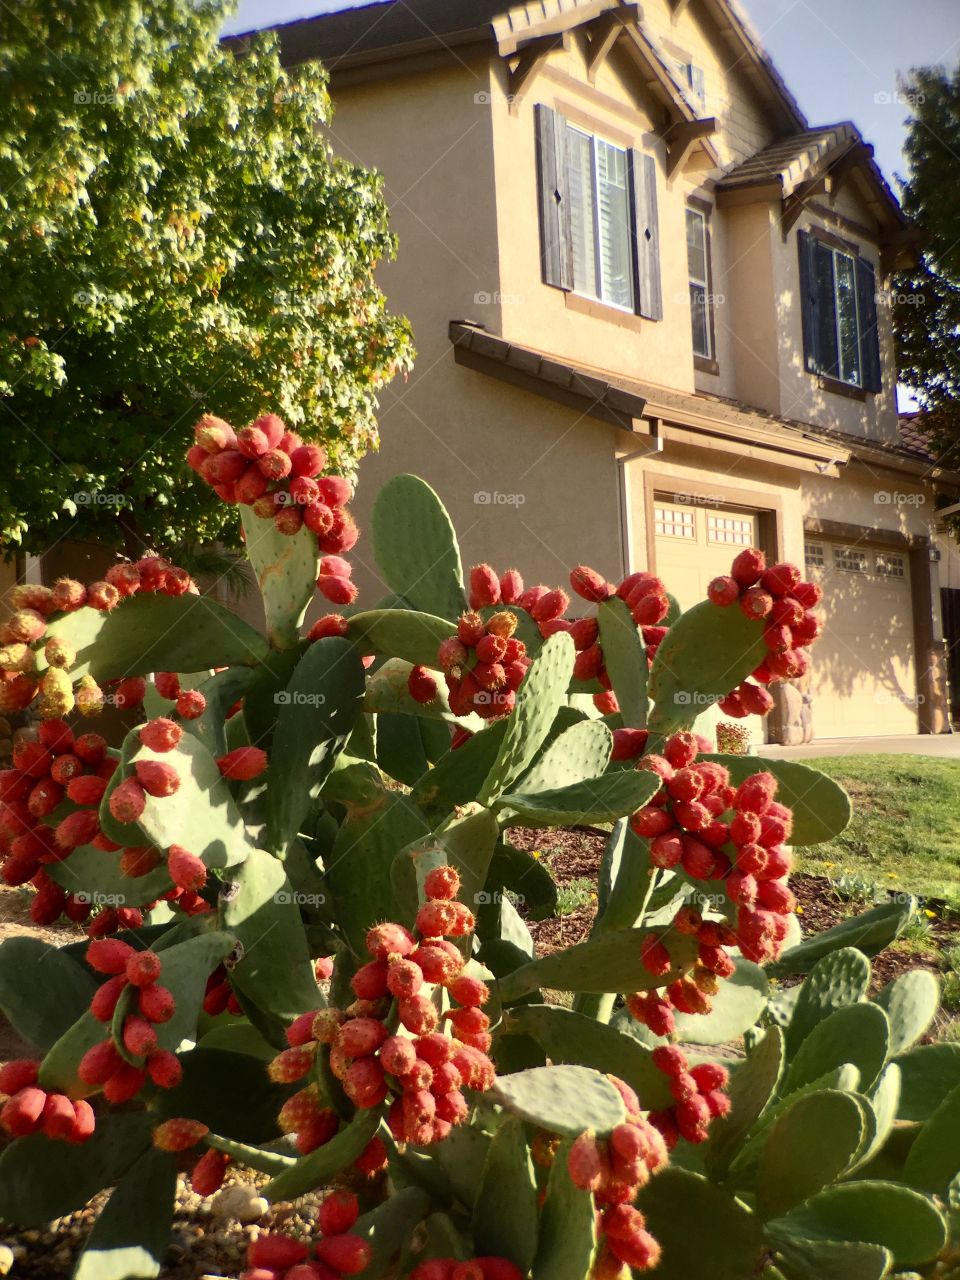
(863, 667)
(694, 544)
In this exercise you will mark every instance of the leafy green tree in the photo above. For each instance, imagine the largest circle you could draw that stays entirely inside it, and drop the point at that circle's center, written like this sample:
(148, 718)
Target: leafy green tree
(176, 237)
(927, 312)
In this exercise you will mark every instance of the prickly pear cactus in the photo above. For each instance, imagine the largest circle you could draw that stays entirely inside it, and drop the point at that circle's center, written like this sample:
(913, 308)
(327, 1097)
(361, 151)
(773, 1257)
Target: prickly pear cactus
(294, 872)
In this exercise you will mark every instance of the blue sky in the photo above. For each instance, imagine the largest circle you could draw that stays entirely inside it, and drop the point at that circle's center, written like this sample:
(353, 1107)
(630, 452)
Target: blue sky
(840, 58)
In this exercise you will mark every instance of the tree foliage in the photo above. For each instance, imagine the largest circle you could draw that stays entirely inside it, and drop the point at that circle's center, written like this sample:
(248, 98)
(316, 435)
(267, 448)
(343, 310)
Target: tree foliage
(927, 312)
(176, 234)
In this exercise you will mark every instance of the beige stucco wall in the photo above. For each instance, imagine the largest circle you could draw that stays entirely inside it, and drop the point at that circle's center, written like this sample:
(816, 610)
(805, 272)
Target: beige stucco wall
(549, 474)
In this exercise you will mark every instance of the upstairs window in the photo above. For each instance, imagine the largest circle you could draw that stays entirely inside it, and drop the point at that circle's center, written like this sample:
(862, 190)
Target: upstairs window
(599, 234)
(698, 269)
(839, 305)
(693, 81)
(600, 223)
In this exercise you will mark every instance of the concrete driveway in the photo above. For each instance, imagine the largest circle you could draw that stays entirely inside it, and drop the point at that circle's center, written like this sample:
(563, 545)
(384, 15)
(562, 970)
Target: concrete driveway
(944, 745)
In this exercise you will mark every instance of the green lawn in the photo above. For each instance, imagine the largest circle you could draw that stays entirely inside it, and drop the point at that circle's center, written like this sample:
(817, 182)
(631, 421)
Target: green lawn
(905, 831)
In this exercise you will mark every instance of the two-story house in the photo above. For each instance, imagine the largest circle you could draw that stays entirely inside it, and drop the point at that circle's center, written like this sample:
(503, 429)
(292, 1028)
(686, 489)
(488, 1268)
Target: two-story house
(652, 311)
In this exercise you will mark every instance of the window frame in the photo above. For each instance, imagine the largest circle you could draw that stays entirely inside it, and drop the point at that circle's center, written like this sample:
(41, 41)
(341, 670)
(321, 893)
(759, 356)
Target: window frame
(593, 137)
(703, 210)
(824, 353)
(837, 253)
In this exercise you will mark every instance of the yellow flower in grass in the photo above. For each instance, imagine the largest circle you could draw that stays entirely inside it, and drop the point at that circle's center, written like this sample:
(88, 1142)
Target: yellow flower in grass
(931, 915)
(799, 910)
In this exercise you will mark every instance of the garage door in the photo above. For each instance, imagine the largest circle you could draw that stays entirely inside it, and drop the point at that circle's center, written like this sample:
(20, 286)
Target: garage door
(696, 543)
(863, 668)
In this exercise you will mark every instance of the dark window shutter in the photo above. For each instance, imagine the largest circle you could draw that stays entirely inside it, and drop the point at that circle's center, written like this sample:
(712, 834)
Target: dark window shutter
(556, 249)
(643, 174)
(808, 300)
(828, 345)
(869, 334)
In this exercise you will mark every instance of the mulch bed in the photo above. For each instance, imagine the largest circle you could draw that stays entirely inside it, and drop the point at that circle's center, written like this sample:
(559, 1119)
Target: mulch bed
(575, 854)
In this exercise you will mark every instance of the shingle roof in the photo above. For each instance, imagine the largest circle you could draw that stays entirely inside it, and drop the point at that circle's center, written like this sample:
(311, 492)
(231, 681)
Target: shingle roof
(790, 159)
(361, 33)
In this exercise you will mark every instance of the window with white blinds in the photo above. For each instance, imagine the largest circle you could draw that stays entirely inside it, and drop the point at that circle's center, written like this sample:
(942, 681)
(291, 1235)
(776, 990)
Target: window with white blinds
(600, 222)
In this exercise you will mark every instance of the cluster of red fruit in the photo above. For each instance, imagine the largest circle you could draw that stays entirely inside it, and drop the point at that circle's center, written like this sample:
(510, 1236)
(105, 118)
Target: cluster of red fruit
(614, 1171)
(483, 664)
(716, 832)
(190, 704)
(268, 468)
(644, 594)
(699, 1094)
(121, 1070)
(22, 637)
(30, 1109)
(337, 1252)
(423, 1071)
(49, 770)
(471, 1269)
(780, 599)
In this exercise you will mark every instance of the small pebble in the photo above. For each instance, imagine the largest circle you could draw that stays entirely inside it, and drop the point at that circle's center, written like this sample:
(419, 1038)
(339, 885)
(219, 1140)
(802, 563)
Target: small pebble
(239, 1202)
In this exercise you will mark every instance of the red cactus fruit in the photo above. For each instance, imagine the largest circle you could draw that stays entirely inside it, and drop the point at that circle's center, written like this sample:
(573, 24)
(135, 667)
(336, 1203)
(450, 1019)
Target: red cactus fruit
(77, 829)
(333, 624)
(384, 940)
(179, 1134)
(186, 869)
(585, 1163)
(21, 1114)
(292, 1064)
(143, 968)
(398, 1055)
(442, 883)
(337, 590)
(84, 1122)
(404, 977)
(167, 684)
(157, 1003)
(109, 955)
(105, 998)
(748, 567)
(372, 1159)
(18, 1074)
(87, 789)
(723, 591)
(91, 748)
(484, 586)
(139, 1037)
(469, 991)
(308, 460)
(243, 763)
(191, 704)
(361, 1037)
(164, 1069)
(338, 1212)
(421, 685)
(629, 744)
(127, 801)
(157, 778)
(58, 1117)
(590, 585)
(418, 1014)
(208, 1173)
(336, 490)
(125, 1083)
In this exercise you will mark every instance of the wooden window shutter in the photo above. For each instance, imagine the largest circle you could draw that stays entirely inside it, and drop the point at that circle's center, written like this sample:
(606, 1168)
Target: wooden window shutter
(556, 249)
(643, 175)
(808, 300)
(869, 333)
